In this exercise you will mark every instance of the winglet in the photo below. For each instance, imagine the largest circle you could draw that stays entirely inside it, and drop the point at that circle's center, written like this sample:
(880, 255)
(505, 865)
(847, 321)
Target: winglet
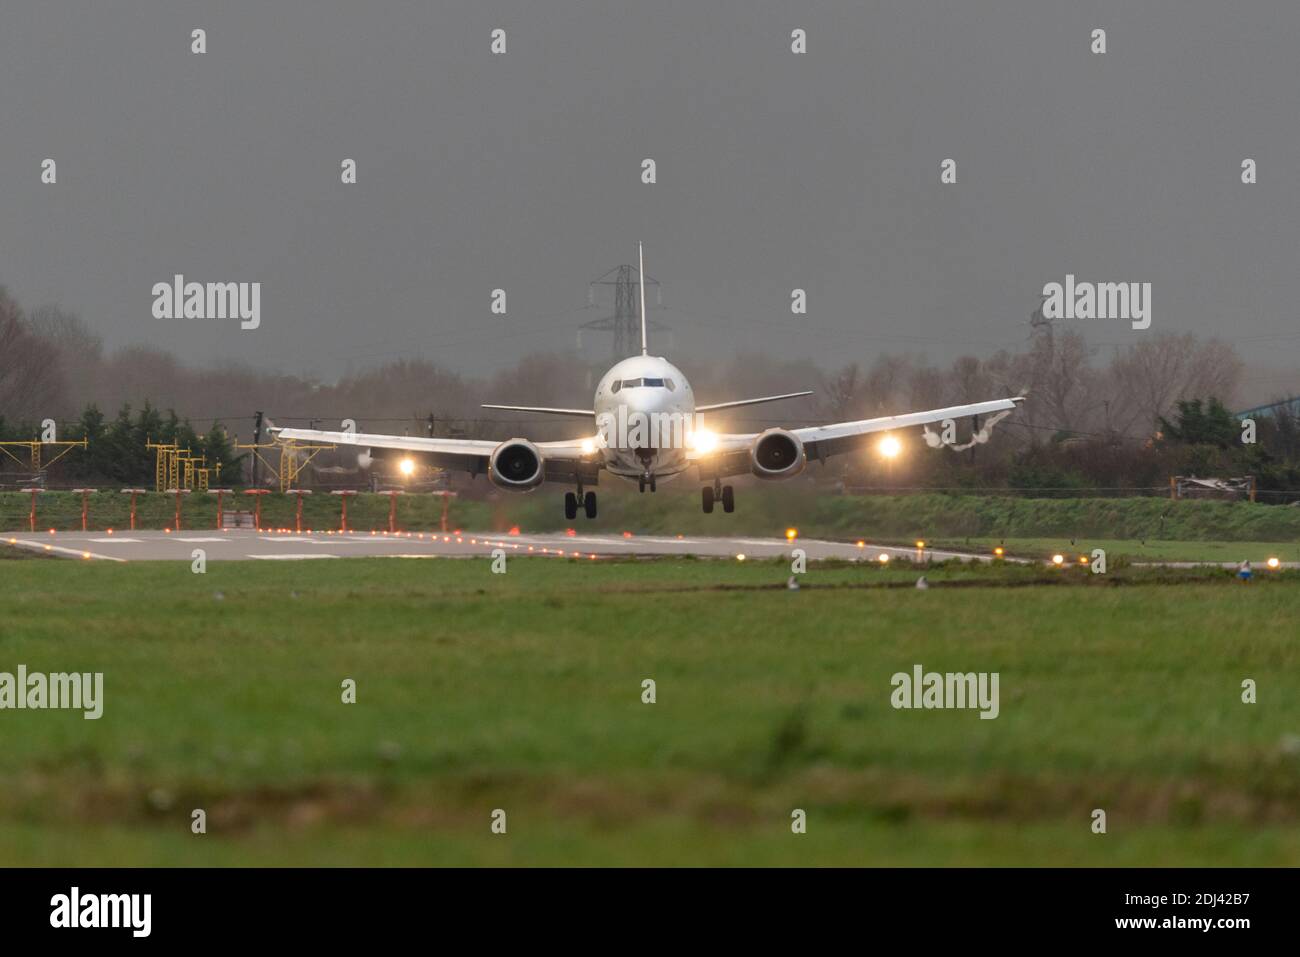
(640, 256)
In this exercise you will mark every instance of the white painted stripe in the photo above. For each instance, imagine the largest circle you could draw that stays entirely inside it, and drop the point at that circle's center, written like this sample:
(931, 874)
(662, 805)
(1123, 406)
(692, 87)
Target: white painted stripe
(78, 552)
(290, 558)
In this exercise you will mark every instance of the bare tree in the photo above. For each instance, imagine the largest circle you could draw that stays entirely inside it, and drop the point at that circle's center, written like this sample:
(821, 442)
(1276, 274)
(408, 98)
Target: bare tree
(1148, 379)
(31, 387)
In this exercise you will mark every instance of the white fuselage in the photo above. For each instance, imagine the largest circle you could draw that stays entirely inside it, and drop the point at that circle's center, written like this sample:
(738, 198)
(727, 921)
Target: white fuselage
(645, 416)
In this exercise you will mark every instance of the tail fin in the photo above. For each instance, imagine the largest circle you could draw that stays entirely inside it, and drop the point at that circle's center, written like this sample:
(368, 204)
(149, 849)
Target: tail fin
(640, 255)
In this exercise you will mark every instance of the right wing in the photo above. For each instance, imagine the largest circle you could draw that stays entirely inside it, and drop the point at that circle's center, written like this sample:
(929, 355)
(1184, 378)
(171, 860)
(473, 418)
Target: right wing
(562, 459)
(730, 455)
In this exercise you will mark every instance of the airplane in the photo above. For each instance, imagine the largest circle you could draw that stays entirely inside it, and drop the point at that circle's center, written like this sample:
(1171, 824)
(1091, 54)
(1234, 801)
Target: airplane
(649, 430)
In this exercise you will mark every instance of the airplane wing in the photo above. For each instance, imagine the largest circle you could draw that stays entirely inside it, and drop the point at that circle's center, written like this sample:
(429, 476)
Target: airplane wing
(730, 456)
(562, 459)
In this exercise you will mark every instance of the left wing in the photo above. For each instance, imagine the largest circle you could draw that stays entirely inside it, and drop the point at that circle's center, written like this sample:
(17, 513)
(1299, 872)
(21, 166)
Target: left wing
(730, 456)
(561, 459)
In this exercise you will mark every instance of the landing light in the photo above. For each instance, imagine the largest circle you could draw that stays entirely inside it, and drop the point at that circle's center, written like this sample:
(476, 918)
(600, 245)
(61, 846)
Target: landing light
(1273, 563)
(406, 466)
(704, 440)
(1058, 559)
(740, 557)
(890, 447)
(588, 446)
(883, 558)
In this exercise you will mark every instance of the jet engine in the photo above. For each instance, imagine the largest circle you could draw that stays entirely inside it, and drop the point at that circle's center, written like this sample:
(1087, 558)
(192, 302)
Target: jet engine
(777, 454)
(516, 465)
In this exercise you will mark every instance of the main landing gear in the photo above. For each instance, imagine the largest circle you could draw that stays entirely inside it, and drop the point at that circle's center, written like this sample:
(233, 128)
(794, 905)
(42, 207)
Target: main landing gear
(718, 492)
(571, 502)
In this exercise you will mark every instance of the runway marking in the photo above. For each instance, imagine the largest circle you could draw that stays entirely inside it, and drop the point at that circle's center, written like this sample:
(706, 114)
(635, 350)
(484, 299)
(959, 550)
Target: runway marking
(114, 541)
(185, 539)
(78, 552)
(290, 558)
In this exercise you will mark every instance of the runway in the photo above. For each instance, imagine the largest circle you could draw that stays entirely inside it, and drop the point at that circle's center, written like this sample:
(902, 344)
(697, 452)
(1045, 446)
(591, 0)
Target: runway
(250, 545)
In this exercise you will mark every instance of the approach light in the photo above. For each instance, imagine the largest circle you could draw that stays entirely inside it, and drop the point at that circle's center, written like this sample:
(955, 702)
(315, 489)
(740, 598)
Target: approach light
(704, 441)
(1273, 563)
(791, 534)
(889, 447)
(1083, 559)
(920, 543)
(406, 467)
(999, 551)
(1058, 559)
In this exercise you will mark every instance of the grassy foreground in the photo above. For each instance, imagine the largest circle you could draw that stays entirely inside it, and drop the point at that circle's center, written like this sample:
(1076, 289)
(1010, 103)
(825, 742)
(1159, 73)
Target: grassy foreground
(522, 692)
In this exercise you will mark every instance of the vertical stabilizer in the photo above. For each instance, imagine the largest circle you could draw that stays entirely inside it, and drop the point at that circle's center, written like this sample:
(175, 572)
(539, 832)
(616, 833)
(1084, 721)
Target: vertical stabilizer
(640, 265)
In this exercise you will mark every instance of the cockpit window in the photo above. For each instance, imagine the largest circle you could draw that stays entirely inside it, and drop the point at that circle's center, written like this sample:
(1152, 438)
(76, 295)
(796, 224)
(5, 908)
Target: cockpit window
(668, 384)
(615, 386)
(653, 383)
(631, 383)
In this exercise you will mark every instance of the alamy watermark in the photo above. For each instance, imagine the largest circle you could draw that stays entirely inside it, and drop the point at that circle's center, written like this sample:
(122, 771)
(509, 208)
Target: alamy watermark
(76, 690)
(953, 690)
(75, 909)
(1102, 300)
(634, 429)
(179, 299)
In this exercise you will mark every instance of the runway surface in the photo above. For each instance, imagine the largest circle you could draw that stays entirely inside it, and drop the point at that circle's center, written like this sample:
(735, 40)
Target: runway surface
(247, 544)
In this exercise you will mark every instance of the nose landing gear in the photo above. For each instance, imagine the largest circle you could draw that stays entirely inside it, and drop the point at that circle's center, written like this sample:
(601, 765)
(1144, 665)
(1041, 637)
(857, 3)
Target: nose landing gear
(647, 480)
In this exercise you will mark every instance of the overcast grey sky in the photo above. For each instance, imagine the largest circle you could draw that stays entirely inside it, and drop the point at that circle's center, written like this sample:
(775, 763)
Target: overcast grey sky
(775, 171)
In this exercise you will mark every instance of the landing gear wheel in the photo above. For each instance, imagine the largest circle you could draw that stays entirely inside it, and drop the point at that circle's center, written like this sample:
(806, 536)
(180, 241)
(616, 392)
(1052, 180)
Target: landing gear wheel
(589, 504)
(652, 483)
(642, 483)
(570, 506)
(706, 496)
(728, 499)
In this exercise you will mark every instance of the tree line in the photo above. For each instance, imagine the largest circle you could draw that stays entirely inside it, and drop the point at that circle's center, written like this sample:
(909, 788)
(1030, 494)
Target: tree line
(1123, 418)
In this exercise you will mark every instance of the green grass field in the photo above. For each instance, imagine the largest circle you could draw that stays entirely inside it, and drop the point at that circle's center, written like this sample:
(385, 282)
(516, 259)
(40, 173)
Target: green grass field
(523, 691)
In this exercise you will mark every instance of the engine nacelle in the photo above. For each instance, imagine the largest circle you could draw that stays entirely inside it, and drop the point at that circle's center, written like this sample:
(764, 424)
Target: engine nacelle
(516, 465)
(777, 454)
